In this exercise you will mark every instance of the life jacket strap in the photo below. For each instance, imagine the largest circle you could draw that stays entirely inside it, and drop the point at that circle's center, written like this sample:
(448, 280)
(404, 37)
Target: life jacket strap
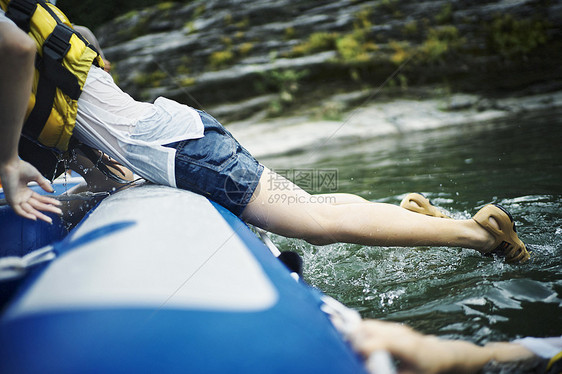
(52, 74)
(55, 48)
(21, 11)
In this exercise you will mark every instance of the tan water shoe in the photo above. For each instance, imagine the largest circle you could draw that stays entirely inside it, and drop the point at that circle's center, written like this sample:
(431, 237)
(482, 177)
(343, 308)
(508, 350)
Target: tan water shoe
(418, 203)
(507, 243)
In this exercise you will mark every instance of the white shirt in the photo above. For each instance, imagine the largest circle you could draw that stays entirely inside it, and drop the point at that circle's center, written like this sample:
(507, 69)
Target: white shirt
(134, 132)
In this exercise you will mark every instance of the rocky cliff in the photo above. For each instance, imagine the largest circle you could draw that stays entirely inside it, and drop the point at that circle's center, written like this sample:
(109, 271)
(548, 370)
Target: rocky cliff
(240, 56)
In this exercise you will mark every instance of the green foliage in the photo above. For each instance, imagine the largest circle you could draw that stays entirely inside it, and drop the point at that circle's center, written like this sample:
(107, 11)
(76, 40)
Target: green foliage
(411, 28)
(440, 42)
(230, 54)
(153, 79)
(286, 84)
(182, 69)
(354, 48)
(289, 33)
(190, 27)
(245, 48)
(362, 19)
(400, 81)
(275, 107)
(182, 76)
(319, 41)
(350, 48)
(228, 19)
(188, 81)
(220, 59)
(330, 111)
(243, 24)
(285, 80)
(433, 49)
(355, 75)
(445, 15)
(511, 37)
(167, 5)
(402, 51)
(130, 14)
(199, 11)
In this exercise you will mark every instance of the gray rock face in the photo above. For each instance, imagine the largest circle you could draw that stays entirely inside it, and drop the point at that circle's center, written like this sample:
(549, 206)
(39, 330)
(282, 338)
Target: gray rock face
(218, 52)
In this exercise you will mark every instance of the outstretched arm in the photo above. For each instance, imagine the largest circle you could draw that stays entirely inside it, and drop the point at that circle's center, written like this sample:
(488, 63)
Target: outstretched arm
(419, 353)
(16, 74)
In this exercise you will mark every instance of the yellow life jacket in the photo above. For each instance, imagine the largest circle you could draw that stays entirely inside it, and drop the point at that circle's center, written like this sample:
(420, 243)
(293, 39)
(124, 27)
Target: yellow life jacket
(63, 60)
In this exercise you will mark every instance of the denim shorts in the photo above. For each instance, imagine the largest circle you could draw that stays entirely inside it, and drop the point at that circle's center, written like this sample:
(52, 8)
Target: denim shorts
(217, 166)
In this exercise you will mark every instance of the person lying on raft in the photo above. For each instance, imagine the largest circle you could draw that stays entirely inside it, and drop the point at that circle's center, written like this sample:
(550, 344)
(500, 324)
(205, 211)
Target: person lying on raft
(172, 144)
(175, 145)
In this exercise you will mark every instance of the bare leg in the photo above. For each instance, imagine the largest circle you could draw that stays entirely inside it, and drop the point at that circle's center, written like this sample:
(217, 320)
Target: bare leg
(325, 219)
(342, 198)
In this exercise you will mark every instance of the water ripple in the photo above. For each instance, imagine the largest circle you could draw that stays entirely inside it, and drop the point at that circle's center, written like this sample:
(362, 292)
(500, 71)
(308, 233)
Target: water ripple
(449, 291)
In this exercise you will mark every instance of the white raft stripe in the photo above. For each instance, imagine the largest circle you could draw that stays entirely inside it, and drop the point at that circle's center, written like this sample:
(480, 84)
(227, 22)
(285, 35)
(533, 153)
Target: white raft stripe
(179, 254)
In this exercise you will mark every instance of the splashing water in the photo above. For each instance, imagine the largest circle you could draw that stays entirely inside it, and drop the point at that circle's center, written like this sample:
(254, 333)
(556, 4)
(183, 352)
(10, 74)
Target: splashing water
(451, 292)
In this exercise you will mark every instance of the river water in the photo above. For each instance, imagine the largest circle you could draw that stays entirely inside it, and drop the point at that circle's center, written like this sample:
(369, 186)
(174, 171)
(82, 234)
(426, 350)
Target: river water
(450, 292)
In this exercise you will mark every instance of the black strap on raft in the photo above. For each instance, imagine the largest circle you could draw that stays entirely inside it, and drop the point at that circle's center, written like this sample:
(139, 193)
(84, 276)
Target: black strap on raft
(52, 74)
(292, 260)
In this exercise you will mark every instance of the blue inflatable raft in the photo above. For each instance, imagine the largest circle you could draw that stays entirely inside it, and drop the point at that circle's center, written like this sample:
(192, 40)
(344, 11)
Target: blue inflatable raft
(160, 280)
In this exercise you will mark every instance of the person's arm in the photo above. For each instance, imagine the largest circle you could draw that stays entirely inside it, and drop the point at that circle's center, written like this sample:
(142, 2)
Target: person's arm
(420, 353)
(95, 181)
(16, 73)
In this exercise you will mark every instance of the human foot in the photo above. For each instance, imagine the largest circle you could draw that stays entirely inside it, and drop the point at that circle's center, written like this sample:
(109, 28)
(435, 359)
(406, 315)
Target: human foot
(499, 223)
(418, 203)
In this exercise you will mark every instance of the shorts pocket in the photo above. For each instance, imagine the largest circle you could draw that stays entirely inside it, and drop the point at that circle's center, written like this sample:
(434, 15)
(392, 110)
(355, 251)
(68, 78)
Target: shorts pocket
(213, 151)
